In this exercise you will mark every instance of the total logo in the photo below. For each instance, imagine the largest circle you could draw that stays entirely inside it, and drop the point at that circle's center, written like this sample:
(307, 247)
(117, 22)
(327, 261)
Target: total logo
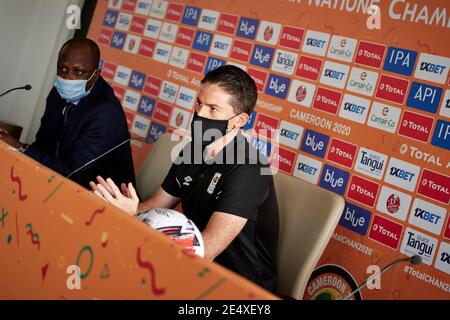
(122, 75)
(140, 126)
(424, 97)
(362, 81)
(342, 152)
(268, 32)
(441, 135)
(363, 190)
(394, 203)
(185, 37)
(307, 169)
(418, 154)
(119, 92)
(262, 56)
(314, 143)
(400, 61)
(129, 5)
(341, 48)
(334, 74)
(392, 89)
(209, 19)
(174, 12)
(291, 37)
(290, 134)
(415, 242)
(196, 62)
(355, 218)
(109, 70)
(370, 54)
(327, 100)
(227, 23)
(152, 86)
(105, 37)
(265, 126)
(221, 46)
(282, 159)
(371, 163)
(334, 179)
(354, 108)
(247, 28)
(131, 100)
(277, 86)
(316, 42)
(285, 61)
(162, 112)
(241, 50)
(301, 93)
(309, 68)
(147, 48)
(427, 216)
(162, 52)
(416, 126)
(118, 40)
(443, 258)
(432, 68)
(384, 117)
(259, 77)
(138, 24)
(386, 232)
(435, 186)
(168, 91)
(402, 174)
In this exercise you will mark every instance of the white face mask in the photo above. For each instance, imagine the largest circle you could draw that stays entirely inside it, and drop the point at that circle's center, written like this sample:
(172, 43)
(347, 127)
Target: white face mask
(72, 90)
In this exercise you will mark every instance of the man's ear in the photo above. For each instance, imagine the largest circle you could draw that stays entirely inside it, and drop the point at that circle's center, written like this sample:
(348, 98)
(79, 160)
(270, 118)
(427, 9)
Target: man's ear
(241, 120)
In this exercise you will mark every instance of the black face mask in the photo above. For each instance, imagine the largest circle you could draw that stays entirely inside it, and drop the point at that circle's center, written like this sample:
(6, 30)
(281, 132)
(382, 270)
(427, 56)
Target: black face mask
(205, 131)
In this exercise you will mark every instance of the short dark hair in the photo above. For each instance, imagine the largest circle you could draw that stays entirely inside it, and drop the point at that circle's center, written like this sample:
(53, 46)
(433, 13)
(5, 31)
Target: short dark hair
(237, 83)
(84, 42)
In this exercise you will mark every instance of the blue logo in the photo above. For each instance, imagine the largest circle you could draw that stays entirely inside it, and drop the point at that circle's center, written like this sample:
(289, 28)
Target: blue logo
(355, 218)
(156, 130)
(191, 16)
(424, 97)
(146, 106)
(247, 28)
(441, 135)
(262, 56)
(202, 41)
(400, 61)
(315, 143)
(110, 18)
(251, 121)
(262, 146)
(137, 80)
(118, 40)
(213, 63)
(277, 86)
(334, 179)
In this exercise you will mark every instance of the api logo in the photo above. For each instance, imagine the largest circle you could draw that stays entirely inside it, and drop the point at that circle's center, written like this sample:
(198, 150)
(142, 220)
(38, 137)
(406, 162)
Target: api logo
(137, 80)
(202, 41)
(263, 147)
(118, 40)
(262, 56)
(110, 18)
(146, 106)
(355, 218)
(251, 121)
(400, 61)
(191, 16)
(441, 135)
(247, 28)
(424, 97)
(334, 179)
(213, 63)
(314, 143)
(277, 86)
(156, 130)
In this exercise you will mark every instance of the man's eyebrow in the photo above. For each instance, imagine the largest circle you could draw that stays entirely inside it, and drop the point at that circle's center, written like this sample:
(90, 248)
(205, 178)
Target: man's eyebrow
(209, 105)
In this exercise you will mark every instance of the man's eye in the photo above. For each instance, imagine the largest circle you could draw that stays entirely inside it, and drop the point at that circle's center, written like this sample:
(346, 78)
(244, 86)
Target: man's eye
(78, 73)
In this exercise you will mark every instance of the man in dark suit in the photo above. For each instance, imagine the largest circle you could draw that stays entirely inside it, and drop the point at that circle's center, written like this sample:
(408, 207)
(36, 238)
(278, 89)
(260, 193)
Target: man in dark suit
(83, 119)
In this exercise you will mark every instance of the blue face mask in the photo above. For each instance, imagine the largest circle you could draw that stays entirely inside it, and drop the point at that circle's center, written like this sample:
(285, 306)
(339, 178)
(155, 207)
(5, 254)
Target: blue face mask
(72, 90)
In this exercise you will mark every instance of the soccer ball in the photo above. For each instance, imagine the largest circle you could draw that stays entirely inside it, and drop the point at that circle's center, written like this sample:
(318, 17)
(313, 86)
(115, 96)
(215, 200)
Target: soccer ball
(177, 226)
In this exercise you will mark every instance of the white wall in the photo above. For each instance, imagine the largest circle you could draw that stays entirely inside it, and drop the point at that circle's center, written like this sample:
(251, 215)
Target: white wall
(31, 33)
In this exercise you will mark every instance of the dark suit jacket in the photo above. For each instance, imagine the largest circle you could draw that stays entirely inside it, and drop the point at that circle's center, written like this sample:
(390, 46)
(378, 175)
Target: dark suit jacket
(93, 126)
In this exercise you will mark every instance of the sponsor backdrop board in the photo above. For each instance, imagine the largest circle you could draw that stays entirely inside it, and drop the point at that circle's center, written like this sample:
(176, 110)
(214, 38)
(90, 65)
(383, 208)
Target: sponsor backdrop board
(363, 113)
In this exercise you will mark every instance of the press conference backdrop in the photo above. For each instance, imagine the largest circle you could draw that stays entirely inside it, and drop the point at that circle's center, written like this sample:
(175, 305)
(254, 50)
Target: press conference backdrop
(363, 113)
